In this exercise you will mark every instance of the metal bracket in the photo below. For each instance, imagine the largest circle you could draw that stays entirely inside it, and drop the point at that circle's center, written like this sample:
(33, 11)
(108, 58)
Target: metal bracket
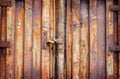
(114, 48)
(115, 8)
(5, 2)
(4, 44)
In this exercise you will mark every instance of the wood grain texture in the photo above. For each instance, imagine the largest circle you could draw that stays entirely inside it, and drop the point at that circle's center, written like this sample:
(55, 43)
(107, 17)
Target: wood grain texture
(76, 39)
(84, 40)
(45, 37)
(115, 41)
(3, 38)
(109, 39)
(119, 41)
(28, 40)
(69, 39)
(85, 26)
(101, 39)
(93, 39)
(52, 36)
(51, 32)
(10, 58)
(36, 39)
(19, 18)
(61, 33)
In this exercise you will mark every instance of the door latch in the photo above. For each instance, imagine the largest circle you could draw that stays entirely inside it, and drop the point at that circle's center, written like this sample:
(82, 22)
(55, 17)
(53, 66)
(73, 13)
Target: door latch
(54, 40)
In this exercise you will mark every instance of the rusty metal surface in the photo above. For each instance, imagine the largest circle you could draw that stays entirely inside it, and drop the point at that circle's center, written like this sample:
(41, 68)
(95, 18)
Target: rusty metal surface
(19, 26)
(69, 39)
(115, 48)
(84, 44)
(45, 37)
(115, 8)
(3, 38)
(76, 39)
(119, 40)
(52, 41)
(5, 2)
(60, 35)
(101, 39)
(59, 39)
(36, 35)
(93, 38)
(10, 59)
(109, 40)
(28, 31)
(4, 44)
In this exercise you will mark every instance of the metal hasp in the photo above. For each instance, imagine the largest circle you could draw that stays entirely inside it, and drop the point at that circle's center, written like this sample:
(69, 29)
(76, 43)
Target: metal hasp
(4, 4)
(115, 47)
(52, 41)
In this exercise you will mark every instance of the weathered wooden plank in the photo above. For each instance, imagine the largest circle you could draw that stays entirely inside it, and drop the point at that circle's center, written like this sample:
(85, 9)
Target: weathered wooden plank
(45, 37)
(93, 39)
(19, 27)
(76, 39)
(28, 40)
(119, 41)
(61, 47)
(36, 39)
(84, 40)
(69, 39)
(10, 59)
(3, 38)
(101, 39)
(52, 36)
(109, 39)
(115, 41)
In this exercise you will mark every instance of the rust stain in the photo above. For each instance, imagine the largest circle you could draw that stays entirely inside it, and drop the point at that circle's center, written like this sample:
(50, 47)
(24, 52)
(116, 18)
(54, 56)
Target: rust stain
(76, 38)
(109, 39)
(45, 37)
(37, 21)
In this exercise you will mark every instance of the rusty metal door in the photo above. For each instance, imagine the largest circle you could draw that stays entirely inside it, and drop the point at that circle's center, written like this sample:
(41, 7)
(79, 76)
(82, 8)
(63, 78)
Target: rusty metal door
(60, 39)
